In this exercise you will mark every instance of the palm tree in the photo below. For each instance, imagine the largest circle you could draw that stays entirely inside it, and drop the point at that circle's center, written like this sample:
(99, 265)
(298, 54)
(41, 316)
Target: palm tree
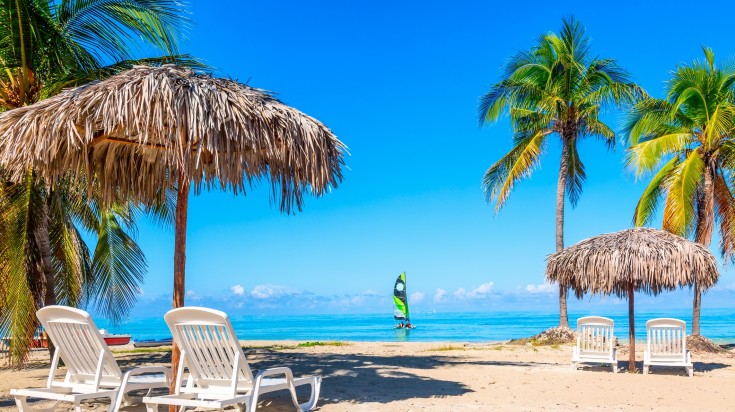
(689, 138)
(555, 89)
(45, 46)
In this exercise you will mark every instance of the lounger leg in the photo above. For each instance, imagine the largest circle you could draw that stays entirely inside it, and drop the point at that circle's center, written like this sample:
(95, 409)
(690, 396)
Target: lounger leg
(615, 367)
(316, 385)
(645, 369)
(574, 366)
(20, 401)
(690, 371)
(115, 401)
(151, 407)
(22, 404)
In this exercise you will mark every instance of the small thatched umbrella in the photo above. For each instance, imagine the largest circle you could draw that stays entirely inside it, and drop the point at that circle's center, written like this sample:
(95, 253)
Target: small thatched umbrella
(637, 259)
(151, 128)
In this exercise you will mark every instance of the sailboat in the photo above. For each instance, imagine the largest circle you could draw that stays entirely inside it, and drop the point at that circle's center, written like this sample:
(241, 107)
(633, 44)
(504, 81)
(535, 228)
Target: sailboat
(401, 313)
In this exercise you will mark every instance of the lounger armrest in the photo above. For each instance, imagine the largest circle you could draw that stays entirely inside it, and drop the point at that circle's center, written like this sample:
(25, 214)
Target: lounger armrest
(275, 371)
(149, 369)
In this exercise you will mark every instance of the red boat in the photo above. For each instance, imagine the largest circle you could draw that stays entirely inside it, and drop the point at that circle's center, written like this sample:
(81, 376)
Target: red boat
(110, 340)
(113, 340)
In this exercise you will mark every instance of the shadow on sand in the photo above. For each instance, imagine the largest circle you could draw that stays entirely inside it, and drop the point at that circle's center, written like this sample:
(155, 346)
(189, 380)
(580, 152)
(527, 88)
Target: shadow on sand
(356, 378)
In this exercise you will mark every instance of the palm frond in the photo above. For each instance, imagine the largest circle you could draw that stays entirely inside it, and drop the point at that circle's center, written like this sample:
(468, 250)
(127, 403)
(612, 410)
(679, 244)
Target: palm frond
(514, 166)
(575, 175)
(648, 203)
(118, 267)
(682, 185)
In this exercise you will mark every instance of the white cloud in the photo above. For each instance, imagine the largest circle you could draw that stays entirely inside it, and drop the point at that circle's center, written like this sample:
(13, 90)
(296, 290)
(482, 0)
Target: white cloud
(440, 295)
(460, 293)
(416, 297)
(237, 290)
(542, 288)
(727, 288)
(268, 291)
(481, 291)
(192, 295)
(357, 300)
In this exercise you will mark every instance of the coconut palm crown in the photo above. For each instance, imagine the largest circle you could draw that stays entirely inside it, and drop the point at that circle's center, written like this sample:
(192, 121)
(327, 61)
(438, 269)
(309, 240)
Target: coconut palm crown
(48, 45)
(555, 89)
(687, 140)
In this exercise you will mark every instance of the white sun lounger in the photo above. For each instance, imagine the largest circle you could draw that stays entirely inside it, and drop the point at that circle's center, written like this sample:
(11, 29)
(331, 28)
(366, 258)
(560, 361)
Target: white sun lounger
(91, 369)
(219, 374)
(595, 342)
(667, 345)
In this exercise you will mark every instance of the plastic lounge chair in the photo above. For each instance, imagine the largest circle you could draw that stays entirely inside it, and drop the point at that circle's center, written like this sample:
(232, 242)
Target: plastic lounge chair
(667, 345)
(91, 369)
(219, 374)
(595, 342)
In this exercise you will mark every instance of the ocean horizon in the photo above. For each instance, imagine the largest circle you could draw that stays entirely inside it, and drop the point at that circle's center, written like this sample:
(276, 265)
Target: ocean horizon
(716, 324)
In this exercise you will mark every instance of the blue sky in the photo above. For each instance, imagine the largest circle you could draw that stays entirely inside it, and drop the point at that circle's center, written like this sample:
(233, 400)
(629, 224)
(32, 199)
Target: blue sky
(399, 83)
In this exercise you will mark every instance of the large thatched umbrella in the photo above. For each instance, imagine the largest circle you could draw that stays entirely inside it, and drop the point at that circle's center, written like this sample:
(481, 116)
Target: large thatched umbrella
(637, 259)
(152, 128)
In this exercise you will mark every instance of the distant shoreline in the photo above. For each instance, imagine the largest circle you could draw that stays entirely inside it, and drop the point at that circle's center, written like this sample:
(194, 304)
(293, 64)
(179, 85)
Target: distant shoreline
(478, 327)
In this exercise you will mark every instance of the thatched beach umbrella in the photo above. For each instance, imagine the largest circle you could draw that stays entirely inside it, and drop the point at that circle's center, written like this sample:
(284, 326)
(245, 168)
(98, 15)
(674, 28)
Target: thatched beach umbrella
(639, 259)
(151, 128)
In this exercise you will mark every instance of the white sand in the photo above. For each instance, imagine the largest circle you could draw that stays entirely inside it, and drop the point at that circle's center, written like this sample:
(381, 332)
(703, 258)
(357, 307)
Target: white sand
(469, 377)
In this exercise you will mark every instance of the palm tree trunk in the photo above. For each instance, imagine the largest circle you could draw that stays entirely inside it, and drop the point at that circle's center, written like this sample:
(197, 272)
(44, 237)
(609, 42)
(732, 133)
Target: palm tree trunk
(560, 190)
(705, 227)
(44, 245)
(182, 206)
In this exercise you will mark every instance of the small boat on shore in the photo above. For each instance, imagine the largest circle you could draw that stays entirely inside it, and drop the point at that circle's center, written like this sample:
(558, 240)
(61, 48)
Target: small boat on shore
(153, 343)
(114, 340)
(41, 341)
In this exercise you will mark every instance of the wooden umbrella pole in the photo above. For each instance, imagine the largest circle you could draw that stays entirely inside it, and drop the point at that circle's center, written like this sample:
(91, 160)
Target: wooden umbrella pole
(631, 327)
(182, 206)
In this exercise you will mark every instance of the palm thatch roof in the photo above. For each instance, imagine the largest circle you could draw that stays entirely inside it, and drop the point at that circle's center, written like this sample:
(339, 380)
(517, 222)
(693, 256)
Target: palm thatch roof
(161, 121)
(653, 260)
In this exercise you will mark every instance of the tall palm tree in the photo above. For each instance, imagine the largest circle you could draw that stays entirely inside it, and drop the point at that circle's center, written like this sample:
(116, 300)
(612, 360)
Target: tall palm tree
(554, 89)
(689, 138)
(45, 46)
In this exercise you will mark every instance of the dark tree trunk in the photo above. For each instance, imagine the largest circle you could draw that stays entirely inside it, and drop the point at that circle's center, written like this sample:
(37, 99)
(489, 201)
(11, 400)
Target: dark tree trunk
(182, 205)
(631, 327)
(705, 227)
(560, 190)
(44, 246)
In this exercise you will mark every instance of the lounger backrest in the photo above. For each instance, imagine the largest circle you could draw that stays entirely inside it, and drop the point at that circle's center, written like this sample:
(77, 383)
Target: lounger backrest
(595, 334)
(667, 338)
(210, 346)
(81, 346)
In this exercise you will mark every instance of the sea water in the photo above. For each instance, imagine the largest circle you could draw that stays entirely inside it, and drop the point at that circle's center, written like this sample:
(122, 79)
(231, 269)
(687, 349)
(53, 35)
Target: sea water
(717, 325)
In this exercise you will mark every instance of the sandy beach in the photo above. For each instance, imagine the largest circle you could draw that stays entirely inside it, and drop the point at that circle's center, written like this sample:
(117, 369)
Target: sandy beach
(386, 376)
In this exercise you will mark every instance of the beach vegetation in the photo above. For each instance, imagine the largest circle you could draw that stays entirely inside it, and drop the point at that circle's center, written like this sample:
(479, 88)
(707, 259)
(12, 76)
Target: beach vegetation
(448, 348)
(556, 90)
(318, 343)
(44, 259)
(687, 142)
(161, 349)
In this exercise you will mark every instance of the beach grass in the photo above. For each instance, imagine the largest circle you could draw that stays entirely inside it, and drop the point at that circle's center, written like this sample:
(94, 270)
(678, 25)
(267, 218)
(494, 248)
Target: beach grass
(162, 349)
(447, 348)
(318, 343)
(270, 347)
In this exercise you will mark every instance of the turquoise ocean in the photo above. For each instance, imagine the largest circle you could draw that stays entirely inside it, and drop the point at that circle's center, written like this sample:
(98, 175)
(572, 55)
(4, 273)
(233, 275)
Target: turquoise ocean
(716, 324)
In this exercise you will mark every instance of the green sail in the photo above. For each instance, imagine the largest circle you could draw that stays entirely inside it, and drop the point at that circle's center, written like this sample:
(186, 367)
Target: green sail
(400, 300)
